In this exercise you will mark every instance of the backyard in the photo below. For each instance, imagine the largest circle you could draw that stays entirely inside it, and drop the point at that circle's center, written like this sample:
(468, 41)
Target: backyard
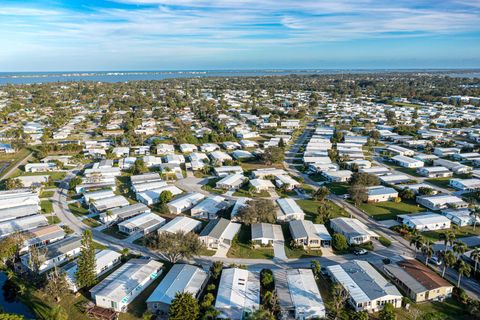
(389, 209)
(310, 208)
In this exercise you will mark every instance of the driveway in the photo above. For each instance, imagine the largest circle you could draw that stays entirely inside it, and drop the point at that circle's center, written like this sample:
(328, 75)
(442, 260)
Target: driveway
(279, 250)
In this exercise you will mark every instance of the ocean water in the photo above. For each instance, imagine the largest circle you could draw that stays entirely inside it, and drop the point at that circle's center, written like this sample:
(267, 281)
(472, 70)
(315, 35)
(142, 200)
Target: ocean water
(125, 76)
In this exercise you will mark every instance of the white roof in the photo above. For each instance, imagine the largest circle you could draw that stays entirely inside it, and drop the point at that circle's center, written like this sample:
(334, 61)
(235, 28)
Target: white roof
(261, 183)
(188, 200)
(232, 179)
(289, 206)
(180, 223)
(238, 290)
(22, 224)
(146, 219)
(103, 259)
(180, 278)
(304, 292)
(425, 218)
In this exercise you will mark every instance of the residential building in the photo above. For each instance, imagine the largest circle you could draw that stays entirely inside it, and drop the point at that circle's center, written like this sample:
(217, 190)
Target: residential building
(265, 234)
(425, 221)
(468, 185)
(289, 210)
(185, 203)
(408, 162)
(434, 172)
(381, 193)
(219, 232)
(143, 223)
(441, 201)
(308, 234)
(354, 230)
(181, 224)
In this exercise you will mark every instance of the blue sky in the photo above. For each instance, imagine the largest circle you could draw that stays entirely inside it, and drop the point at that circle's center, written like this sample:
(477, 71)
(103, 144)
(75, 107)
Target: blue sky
(61, 35)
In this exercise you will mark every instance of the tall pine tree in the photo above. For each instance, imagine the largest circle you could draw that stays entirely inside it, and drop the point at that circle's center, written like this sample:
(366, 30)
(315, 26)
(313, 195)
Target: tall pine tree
(86, 275)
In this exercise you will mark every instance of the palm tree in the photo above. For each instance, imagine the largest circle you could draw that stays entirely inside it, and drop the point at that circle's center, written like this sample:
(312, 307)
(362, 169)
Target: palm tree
(475, 256)
(449, 239)
(417, 242)
(464, 269)
(459, 248)
(449, 260)
(475, 213)
(427, 250)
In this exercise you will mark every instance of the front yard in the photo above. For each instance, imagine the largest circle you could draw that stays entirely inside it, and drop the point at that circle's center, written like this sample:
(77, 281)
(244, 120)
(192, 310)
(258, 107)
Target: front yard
(241, 247)
(310, 208)
(389, 210)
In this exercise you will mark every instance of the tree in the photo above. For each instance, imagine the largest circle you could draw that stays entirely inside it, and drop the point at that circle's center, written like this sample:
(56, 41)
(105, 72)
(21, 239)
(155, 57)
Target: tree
(358, 193)
(273, 155)
(86, 274)
(449, 260)
(57, 285)
(139, 167)
(321, 193)
(475, 213)
(361, 315)
(9, 247)
(427, 250)
(184, 306)
(11, 316)
(407, 194)
(13, 183)
(339, 242)
(449, 238)
(475, 256)
(174, 246)
(57, 313)
(425, 191)
(316, 268)
(464, 269)
(166, 196)
(387, 313)
(260, 314)
(459, 248)
(257, 211)
(417, 242)
(74, 182)
(364, 179)
(324, 212)
(267, 279)
(339, 297)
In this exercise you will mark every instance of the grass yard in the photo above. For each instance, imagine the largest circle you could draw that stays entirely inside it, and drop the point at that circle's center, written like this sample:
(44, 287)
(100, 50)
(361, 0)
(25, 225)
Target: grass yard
(389, 209)
(206, 252)
(338, 188)
(113, 231)
(241, 247)
(297, 253)
(53, 219)
(243, 192)
(47, 193)
(77, 210)
(46, 206)
(466, 231)
(12, 159)
(440, 182)
(317, 177)
(448, 309)
(210, 186)
(92, 223)
(254, 165)
(310, 208)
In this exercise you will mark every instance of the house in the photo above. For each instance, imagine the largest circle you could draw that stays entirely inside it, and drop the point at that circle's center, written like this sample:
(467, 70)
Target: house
(181, 224)
(121, 151)
(123, 213)
(152, 161)
(434, 172)
(460, 217)
(174, 158)
(401, 151)
(180, 278)
(145, 177)
(265, 234)
(152, 195)
(417, 281)
(378, 171)
(22, 224)
(163, 149)
(308, 234)
(143, 223)
(219, 157)
(242, 155)
(425, 221)
(238, 294)
(468, 185)
(6, 148)
(209, 147)
(125, 284)
(248, 144)
(453, 166)
(267, 172)
(209, 207)
(381, 193)
(185, 203)
(231, 182)
(42, 236)
(354, 230)
(441, 201)
(337, 176)
(219, 232)
(289, 210)
(260, 185)
(393, 179)
(188, 148)
(102, 205)
(408, 162)
(55, 254)
(416, 188)
(40, 167)
(287, 182)
(298, 294)
(105, 260)
(445, 152)
(93, 196)
(227, 170)
(367, 289)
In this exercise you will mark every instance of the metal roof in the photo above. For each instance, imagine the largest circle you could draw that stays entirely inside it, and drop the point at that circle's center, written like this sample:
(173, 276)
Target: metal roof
(180, 278)
(181, 223)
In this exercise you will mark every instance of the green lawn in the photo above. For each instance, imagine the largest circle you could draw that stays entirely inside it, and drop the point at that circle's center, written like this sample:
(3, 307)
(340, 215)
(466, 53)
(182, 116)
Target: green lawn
(13, 159)
(92, 223)
(296, 253)
(389, 209)
(310, 208)
(206, 252)
(243, 192)
(53, 219)
(210, 186)
(113, 231)
(440, 182)
(241, 247)
(338, 188)
(46, 206)
(47, 193)
(317, 177)
(77, 210)
(448, 309)
(460, 232)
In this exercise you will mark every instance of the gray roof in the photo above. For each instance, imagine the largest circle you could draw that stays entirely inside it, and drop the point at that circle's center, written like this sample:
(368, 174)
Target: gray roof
(215, 228)
(267, 230)
(16, 212)
(130, 210)
(145, 177)
(62, 246)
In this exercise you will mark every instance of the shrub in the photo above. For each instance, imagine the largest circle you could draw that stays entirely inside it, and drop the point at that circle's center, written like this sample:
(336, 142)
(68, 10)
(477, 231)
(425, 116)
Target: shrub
(339, 242)
(384, 241)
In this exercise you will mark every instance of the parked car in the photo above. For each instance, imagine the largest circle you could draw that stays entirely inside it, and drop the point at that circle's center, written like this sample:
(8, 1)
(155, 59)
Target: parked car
(435, 260)
(360, 252)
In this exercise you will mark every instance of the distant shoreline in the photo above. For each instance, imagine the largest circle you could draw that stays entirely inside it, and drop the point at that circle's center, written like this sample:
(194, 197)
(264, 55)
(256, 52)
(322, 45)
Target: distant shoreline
(124, 76)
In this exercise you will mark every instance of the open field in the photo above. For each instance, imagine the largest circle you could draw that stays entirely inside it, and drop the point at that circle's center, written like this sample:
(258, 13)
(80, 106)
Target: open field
(389, 209)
